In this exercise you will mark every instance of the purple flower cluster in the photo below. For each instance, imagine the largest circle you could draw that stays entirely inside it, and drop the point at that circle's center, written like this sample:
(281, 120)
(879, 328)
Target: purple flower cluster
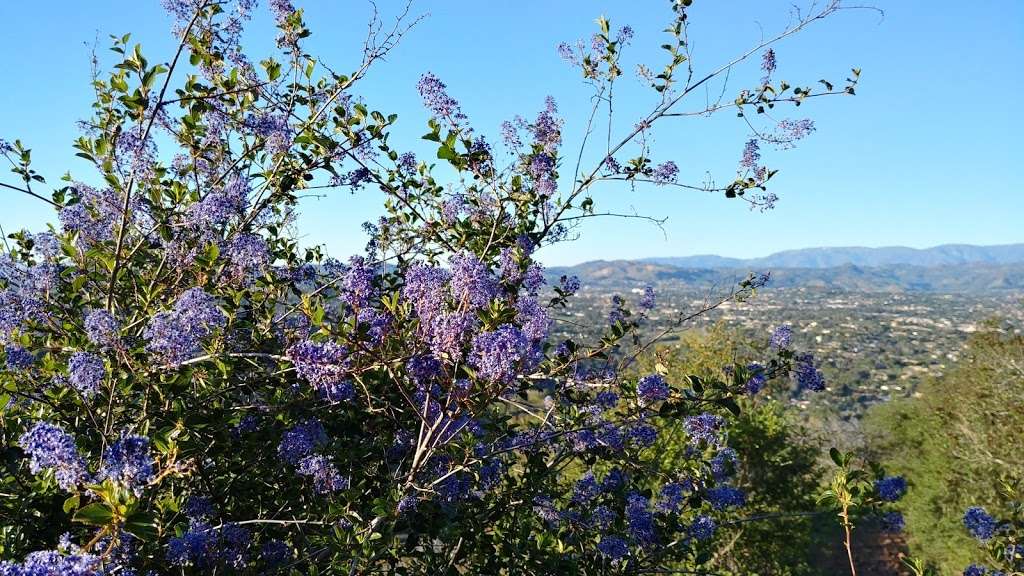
(640, 520)
(248, 254)
(50, 447)
(723, 497)
(18, 358)
(751, 155)
(808, 377)
(86, 373)
(613, 547)
(176, 335)
(533, 318)
(757, 378)
(500, 355)
(891, 488)
(652, 388)
(301, 440)
(322, 364)
(893, 522)
(704, 428)
(52, 563)
(436, 99)
(325, 475)
(979, 523)
(102, 328)
(273, 129)
(703, 528)
(649, 298)
(471, 281)
(672, 496)
(128, 462)
(781, 337)
(665, 173)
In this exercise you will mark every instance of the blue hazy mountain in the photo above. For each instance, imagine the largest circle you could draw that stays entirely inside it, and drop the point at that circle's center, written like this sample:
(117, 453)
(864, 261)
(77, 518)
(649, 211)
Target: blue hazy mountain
(947, 254)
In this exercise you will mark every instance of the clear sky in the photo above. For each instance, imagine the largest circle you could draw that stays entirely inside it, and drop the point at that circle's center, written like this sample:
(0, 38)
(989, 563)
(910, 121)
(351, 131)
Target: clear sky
(927, 153)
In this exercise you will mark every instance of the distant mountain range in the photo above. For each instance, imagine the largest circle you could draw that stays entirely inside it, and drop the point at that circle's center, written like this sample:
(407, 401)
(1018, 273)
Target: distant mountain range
(947, 254)
(953, 268)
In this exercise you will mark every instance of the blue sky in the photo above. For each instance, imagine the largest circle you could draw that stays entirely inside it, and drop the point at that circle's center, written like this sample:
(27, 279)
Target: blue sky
(927, 153)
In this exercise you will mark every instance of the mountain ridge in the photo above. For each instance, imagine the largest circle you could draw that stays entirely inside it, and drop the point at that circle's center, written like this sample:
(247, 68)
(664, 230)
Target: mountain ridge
(831, 257)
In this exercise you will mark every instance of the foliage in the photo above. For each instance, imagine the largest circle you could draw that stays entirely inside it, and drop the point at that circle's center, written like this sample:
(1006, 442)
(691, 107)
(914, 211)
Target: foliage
(957, 443)
(188, 391)
(776, 461)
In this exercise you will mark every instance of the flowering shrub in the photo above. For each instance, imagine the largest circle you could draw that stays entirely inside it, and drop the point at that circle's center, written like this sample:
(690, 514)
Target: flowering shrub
(188, 391)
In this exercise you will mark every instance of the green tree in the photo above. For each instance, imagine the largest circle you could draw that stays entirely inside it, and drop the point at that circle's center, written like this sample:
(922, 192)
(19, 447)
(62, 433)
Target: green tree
(957, 442)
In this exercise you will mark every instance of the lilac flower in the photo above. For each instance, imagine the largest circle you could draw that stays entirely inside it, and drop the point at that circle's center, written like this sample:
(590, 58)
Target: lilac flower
(86, 373)
(723, 497)
(499, 355)
(326, 478)
(751, 155)
(807, 374)
(665, 173)
(613, 480)
(640, 520)
(703, 528)
(320, 363)
(197, 546)
(893, 523)
(613, 547)
(425, 289)
(18, 358)
(704, 428)
(891, 488)
(198, 508)
(436, 99)
(533, 318)
(547, 128)
(976, 570)
(219, 206)
(471, 280)
(407, 162)
(247, 253)
(789, 131)
(768, 63)
(301, 440)
(643, 435)
(102, 328)
(52, 563)
(50, 447)
(649, 298)
(176, 335)
(781, 337)
(281, 9)
(757, 378)
(275, 553)
(358, 282)
(586, 489)
(601, 517)
(652, 388)
(128, 462)
(407, 504)
(273, 129)
(447, 333)
(979, 523)
(672, 495)
(569, 284)
(533, 279)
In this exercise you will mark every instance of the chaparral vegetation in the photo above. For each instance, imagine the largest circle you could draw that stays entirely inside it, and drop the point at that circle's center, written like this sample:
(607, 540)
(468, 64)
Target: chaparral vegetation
(184, 389)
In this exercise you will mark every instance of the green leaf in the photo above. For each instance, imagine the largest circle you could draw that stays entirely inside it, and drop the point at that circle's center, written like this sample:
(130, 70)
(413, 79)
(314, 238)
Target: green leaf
(95, 514)
(836, 457)
(71, 503)
(143, 525)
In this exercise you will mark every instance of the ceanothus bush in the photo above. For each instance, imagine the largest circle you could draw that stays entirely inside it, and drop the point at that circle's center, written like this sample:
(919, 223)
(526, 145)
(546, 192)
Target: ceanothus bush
(186, 391)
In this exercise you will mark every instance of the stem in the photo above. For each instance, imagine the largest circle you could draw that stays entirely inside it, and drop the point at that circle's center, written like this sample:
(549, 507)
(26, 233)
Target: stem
(847, 542)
